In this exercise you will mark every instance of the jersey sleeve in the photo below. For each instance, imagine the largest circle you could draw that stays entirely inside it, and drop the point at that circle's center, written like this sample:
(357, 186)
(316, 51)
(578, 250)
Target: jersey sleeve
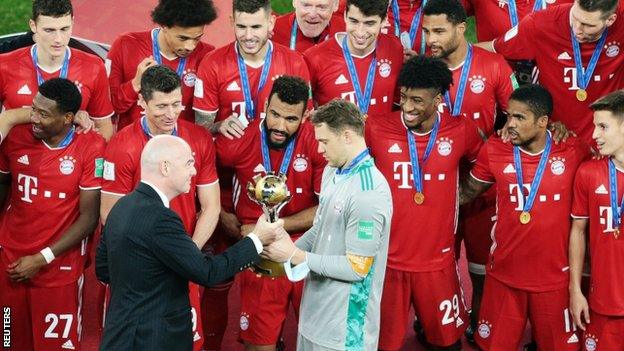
(318, 166)
(468, 6)
(206, 94)
(123, 95)
(119, 169)
(229, 151)
(93, 164)
(2, 82)
(473, 140)
(100, 103)
(580, 198)
(208, 173)
(506, 83)
(365, 223)
(481, 169)
(307, 56)
(519, 42)
(5, 166)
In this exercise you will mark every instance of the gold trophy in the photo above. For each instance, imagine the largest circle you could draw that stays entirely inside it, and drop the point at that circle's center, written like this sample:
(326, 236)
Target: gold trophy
(272, 194)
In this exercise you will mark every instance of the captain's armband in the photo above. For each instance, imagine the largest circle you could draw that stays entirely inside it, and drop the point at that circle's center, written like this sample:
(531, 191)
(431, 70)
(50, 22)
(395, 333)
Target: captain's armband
(360, 264)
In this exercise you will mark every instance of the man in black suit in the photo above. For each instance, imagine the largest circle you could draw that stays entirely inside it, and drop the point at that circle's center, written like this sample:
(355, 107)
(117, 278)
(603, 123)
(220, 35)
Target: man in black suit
(147, 257)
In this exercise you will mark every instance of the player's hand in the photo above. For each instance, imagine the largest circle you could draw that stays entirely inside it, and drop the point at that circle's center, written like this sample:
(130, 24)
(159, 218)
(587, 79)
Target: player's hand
(229, 223)
(579, 309)
(231, 127)
(26, 267)
(408, 54)
(280, 250)
(83, 122)
(142, 67)
(268, 232)
(559, 132)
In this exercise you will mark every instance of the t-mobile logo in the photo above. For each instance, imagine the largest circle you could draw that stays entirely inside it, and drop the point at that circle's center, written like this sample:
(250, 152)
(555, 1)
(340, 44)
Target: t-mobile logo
(27, 187)
(570, 76)
(403, 173)
(606, 218)
(517, 196)
(349, 96)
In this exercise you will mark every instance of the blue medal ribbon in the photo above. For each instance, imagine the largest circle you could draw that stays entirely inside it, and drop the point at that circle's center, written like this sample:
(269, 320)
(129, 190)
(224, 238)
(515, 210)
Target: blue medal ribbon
(613, 192)
(266, 157)
(64, 67)
(455, 109)
(147, 132)
(584, 75)
(537, 179)
(362, 155)
(242, 70)
(158, 57)
(68, 138)
(513, 10)
(413, 25)
(363, 99)
(539, 5)
(417, 171)
(293, 34)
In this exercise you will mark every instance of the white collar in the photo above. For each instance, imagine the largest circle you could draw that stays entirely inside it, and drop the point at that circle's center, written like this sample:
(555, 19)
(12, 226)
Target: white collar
(162, 195)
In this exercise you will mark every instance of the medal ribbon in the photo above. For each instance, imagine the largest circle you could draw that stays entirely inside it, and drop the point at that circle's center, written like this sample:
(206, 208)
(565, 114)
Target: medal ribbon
(513, 10)
(147, 131)
(158, 57)
(413, 26)
(363, 99)
(266, 157)
(537, 179)
(353, 163)
(455, 109)
(584, 75)
(242, 70)
(64, 67)
(68, 138)
(613, 192)
(293, 34)
(413, 152)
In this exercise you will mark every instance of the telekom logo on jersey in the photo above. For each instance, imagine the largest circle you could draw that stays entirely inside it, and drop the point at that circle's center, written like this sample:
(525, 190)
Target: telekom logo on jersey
(570, 76)
(606, 218)
(29, 187)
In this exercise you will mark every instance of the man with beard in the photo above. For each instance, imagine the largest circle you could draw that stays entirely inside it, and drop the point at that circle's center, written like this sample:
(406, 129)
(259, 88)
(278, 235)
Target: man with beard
(282, 142)
(533, 177)
(419, 151)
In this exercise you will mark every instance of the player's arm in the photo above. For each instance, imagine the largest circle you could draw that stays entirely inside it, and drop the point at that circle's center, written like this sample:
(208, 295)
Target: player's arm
(5, 184)
(206, 120)
(11, 118)
(107, 201)
(104, 127)
(208, 216)
(26, 267)
(470, 188)
(487, 45)
(576, 256)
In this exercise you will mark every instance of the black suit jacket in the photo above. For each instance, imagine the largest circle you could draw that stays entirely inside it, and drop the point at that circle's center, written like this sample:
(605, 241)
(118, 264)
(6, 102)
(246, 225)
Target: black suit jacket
(148, 259)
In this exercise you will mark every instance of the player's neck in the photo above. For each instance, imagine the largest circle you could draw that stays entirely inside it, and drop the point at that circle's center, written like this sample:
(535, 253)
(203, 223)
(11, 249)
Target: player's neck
(356, 149)
(618, 158)
(427, 125)
(55, 140)
(363, 52)
(457, 57)
(257, 58)
(537, 145)
(153, 130)
(164, 47)
(47, 62)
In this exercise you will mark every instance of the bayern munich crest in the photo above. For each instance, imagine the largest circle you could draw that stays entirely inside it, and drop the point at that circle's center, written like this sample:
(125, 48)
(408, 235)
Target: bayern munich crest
(477, 84)
(557, 165)
(67, 165)
(189, 79)
(244, 321)
(385, 68)
(591, 342)
(300, 164)
(612, 49)
(484, 329)
(444, 146)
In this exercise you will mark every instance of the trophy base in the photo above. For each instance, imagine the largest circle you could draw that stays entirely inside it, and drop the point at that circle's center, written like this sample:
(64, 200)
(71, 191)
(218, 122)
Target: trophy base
(269, 268)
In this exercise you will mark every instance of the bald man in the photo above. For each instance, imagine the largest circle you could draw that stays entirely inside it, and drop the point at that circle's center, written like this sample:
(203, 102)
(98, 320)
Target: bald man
(148, 259)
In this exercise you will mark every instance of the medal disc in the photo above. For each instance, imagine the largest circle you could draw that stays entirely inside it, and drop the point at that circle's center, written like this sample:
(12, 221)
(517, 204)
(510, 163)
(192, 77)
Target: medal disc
(419, 198)
(525, 217)
(616, 233)
(581, 95)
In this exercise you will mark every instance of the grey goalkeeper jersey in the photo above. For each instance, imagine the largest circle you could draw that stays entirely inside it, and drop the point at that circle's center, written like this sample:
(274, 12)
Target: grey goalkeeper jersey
(339, 310)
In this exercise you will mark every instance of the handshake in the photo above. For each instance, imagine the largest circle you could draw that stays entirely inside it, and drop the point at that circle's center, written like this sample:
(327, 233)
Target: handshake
(277, 244)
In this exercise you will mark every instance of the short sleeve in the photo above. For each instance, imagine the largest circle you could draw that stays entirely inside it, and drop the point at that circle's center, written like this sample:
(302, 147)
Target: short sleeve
(92, 163)
(506, 82)
(206, 95)
(5, 166)
(468, 6)
(208, 173)
(230, 151)
(318, 163)
(473, 139)
(580, 198)
(367, 218)
(119, 169)
(518, 43)
(481, 169)
(313, 77)
(100, 105)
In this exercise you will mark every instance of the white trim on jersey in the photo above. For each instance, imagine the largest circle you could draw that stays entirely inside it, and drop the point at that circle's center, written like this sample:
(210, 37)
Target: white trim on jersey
(209, 184)
(91, 188)
(111, 193)
(480, 180)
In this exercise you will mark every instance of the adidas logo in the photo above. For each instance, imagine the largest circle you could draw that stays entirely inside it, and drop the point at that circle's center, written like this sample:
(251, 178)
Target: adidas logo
(24, 90)
(395, 149)
(573, 339)
(509, 169)
(564, 56)
(68, 345)
(23, 160)
(341, 80)
(602, 189)
(259, 168)
(233, 87)
(196, 336)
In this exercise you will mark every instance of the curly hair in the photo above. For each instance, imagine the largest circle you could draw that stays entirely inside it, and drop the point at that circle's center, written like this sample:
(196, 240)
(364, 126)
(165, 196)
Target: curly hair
(421, 72)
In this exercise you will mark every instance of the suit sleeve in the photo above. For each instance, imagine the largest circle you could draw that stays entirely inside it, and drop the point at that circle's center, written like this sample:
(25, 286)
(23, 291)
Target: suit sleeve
(123, 95)
(175, 249)
(519, 42)
(101, 261)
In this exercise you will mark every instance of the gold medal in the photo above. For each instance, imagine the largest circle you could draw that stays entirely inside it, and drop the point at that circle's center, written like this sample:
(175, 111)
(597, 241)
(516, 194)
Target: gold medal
(419, 198)
(616, 233)
(525, 217)
(365, 116)
(581, 95)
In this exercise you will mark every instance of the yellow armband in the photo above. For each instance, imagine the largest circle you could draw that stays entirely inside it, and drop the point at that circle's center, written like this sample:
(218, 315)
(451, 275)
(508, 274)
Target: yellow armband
(360, 264)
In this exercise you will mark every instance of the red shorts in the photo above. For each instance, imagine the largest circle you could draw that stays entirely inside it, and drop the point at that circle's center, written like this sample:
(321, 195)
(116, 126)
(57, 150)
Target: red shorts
(476, 222)
(604, 333)
(264, 306)
(438, 302)
(41, 318)
(504, 313)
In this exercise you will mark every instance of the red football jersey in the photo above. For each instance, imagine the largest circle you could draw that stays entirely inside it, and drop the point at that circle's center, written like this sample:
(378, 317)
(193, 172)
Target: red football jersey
(219, 86)
(330, 77)
(283, 29)
(407, 11)
(543, 242)
(122, 165)
(414, 246)
(126, 53)
(592, 200)
(18, 80)
(45, 198)
(490, 82)
(544, 36)
(303, 175)
(492, 16)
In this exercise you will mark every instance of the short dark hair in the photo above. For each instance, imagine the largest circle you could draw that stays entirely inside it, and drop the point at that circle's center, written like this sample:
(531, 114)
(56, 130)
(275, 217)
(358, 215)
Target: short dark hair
(606, 7)
(184, 13)
(454, 11)
(251, 6)
(291, 90)
(421, 72)
(612, 102)
(370, 7)
(339, 115)
(52, 8)
(536, 97)
(64, 93)
(158, 78)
